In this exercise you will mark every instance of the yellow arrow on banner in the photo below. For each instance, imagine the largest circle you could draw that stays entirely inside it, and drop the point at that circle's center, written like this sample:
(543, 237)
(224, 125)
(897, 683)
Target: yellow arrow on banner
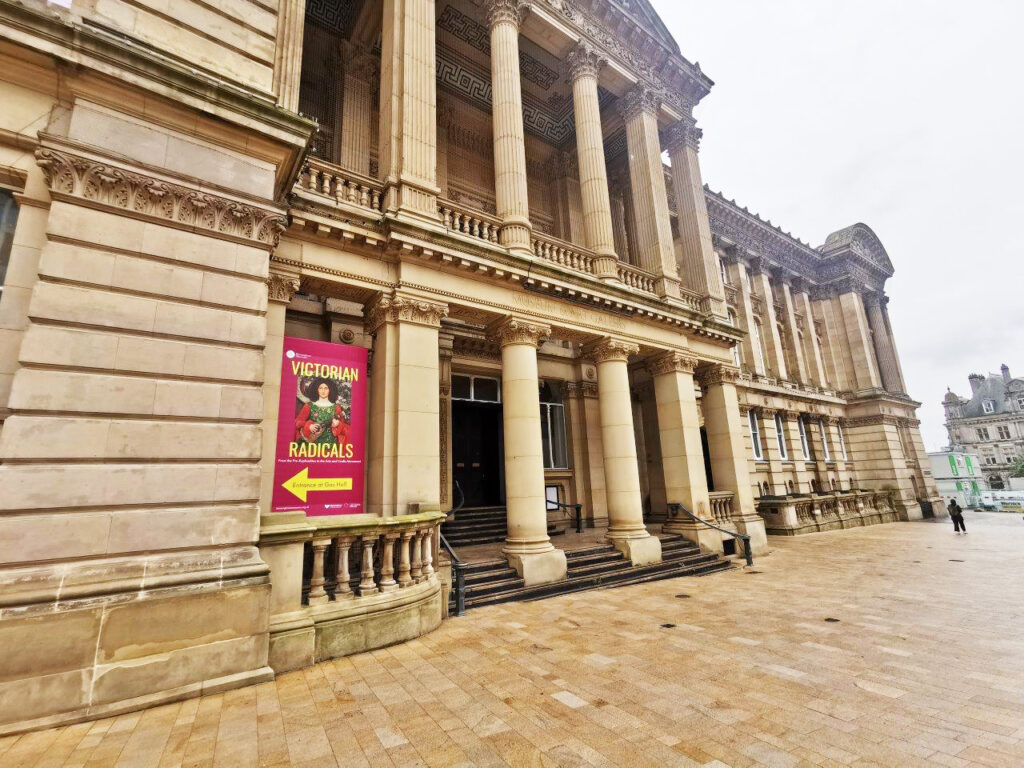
(302, 484)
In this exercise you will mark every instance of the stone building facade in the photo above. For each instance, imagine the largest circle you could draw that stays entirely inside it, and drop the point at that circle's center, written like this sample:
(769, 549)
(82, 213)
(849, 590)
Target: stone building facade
(481, 201)
(989, 423)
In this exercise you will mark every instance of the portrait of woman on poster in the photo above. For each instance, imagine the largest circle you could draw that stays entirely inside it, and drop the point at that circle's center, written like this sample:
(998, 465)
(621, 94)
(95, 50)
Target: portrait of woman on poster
(321, 420)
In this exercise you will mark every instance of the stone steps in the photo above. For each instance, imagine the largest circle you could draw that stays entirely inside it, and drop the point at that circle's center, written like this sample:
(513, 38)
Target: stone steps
(479, 525)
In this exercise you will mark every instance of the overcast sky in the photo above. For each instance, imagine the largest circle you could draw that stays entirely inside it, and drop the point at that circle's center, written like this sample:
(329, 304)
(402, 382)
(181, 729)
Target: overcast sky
(907, 115)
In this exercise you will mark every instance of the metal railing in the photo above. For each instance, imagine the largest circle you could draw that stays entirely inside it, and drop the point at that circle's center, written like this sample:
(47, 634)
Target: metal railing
(577, 507)
(674, 508)
(458, 567)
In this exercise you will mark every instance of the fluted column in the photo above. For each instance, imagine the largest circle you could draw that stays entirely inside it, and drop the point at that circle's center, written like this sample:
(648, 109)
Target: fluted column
(584, 63)
(789, 321)
(859, 353)
(761, 281)
(528, 548)
(361, 71)
(885, 350)
(813, 355)
(626, 529)
(510, 195)
(291, 16)
(700, 270)
(655, 249)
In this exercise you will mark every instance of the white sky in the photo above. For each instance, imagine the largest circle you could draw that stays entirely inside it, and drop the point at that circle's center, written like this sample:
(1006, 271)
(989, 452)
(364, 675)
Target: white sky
(907, 115)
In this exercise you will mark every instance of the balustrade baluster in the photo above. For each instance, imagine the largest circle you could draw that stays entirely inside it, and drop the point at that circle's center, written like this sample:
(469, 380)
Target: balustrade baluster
(317, 594)
(326, 179)
(364, 196)
(367, 586)
(387, 564)
(404, 579)
(343, 587)
(426, 540)
(417, 565)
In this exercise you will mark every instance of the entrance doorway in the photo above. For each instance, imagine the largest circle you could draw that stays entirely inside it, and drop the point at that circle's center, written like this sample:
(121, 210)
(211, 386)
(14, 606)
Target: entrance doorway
(706, 451)
(477, 449)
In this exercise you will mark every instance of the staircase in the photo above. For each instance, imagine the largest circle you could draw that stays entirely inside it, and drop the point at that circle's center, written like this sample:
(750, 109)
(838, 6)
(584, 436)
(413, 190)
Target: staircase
(593, 567)
(479, 525)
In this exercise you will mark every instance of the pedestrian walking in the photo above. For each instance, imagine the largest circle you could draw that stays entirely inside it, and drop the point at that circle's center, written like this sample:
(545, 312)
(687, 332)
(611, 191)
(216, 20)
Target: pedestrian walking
(957, 513)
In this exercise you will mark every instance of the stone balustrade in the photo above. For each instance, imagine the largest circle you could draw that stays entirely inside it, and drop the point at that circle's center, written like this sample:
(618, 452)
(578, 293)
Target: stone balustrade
(563, 253)
(721, 506)
(636, 278)
(805, 513)
(470, 223)
(340, 184)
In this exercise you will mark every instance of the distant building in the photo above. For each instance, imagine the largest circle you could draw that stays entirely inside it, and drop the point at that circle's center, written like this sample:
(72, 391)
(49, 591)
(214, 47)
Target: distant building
(990, 423)
(958, 476)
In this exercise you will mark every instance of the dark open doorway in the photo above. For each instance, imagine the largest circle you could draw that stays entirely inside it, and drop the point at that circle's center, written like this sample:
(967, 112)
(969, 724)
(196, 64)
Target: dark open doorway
(477, 452)
(707, 458)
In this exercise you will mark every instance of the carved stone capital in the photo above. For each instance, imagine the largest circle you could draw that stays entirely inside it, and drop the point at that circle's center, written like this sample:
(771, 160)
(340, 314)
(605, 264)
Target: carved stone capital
(672, 362)
(609, 349)
(281, 288)
(872, 299)
(510, 11)
(360, 63)
(584, 60)
(640, 98)
(712, 375)
(581, 388)
(514, 330)
(680, 135)
(403, 309)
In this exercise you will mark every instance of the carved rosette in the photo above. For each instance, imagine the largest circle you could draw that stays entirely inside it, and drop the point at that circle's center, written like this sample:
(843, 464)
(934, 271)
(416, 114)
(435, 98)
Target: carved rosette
(712, 375)
(514, 330)
(108, 185)
(281, 287)
(609, 350)
(640, 98)
(672, 362)
(507, 11)
(404, 309)
(584, 61)
(680, 135)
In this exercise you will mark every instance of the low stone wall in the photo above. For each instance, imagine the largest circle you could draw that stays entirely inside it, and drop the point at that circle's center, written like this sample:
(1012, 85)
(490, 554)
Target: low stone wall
(798, 514)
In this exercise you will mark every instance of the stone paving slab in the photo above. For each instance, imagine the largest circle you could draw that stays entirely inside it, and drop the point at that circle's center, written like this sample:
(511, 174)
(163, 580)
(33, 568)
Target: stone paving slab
(925, 666)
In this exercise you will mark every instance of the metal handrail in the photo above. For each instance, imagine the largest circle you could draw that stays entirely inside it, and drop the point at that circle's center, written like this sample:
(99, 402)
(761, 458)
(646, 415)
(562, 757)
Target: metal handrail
(675, 507)
(458, 567)
(577, 507)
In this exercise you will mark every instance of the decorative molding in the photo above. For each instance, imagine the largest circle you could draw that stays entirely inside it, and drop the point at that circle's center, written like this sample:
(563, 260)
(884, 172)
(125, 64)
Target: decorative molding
(672, 362)
(405, 309)
(513, 330)
(581, 388)
(609, 349)
(712, 375)
(639, 98)
(681, 134)
(584, 61)
(108, 185)
(474, 346)
(281, 288)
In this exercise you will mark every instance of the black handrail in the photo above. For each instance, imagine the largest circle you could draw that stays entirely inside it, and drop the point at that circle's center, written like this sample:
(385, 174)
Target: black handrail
(458, 567)
(674, 509)
(577, 507)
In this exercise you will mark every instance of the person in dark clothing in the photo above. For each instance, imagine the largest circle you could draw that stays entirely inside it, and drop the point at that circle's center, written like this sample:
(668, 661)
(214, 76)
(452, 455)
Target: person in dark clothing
(957, 513)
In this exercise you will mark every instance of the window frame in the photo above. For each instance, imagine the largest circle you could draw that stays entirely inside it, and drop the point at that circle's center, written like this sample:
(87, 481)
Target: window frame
(988, 406)
(842, 440)
(472, 388)
(805, 442)
(755, 435)
(547, 426)
(823, 433)
(780, 434)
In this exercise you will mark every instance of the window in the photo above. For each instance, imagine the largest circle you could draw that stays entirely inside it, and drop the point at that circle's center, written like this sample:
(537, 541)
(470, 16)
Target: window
(552, 426)
(780, 433)
(8, 218)
(952, 466)
(842, 441)
(989, 406)
(721, 269)
(1020, 403)
(824, 440)
(758, 344)
(480, 388)
(755, 436)
(805, 447)
(1004, 432)
(982, 433)
(970, 465)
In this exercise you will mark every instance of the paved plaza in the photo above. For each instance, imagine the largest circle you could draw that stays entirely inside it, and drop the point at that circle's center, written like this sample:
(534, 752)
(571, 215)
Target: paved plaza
(892, 645)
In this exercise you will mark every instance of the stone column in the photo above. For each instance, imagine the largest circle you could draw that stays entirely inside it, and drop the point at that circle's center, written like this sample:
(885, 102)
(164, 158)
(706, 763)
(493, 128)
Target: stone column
(408, 111)
(727, 449)
(403, 465)
(626, 528)
(504, 17)
(862, 367)
(528, 547)
(655, 250)
(584, 63)
(739, 275)
(446, 343)
(823, 304)
(361, 70)
(885, 350)
(789, 320)
(291, 18)
(619, 228)
(700, 268)
(812, 351)
(761, 282)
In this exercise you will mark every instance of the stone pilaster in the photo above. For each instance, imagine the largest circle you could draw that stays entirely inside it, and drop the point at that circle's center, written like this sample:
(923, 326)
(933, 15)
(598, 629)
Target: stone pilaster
(700, 268)
(789, 321)
(504, 17)
(862, 371)
(740, 276)
(528, 547)
(446, 343)
(361, 71)
(626, 528)
(291, 17)
(885, 349)
(655, 249)
(762, 285)
(812, 349)
(584, 63)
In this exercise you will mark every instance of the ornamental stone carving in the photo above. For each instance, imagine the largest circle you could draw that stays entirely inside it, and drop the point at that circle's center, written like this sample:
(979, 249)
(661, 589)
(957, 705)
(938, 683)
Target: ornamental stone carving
(71, 175)
(404, 309)
(514, 330)
(581, 388)
(609, 349)
(510, 11)
(584, 60)
(640, 98)
(679, 135)
(360, 62)
(713, 375)
(281, 287)
(672, 362)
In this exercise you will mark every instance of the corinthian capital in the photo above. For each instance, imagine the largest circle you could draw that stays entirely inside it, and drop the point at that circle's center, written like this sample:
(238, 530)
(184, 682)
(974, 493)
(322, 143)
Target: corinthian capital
(608, 349)
(640, 98)
(406, 309)
(669, 362)
(712, 375)
(281, 287)
(360, 62)
(511, 11)
(584, 60)
(514, 330)
(682, 134)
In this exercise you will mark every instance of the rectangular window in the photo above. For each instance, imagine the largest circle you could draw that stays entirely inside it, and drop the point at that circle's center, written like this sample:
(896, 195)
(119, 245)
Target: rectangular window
(952, 466)
(1004, 433)
(805, 446)
(970, 465)
(842, 441)
(480, 388)
(780, 432)
(982, 433)
(824, 440)
(989, 406)
(755, 436)
(959, 485)
(8, 218)
(552, 426)
(1020, 403)
(974, 486)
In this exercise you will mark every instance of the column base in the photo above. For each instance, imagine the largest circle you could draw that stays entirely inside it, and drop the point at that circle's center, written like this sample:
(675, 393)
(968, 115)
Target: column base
(539, 567)
(606, 267)
(644, 550)
(708, 539)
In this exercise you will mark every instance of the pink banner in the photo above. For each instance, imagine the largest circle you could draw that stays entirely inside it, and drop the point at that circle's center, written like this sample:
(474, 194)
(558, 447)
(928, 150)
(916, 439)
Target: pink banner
(321, 429)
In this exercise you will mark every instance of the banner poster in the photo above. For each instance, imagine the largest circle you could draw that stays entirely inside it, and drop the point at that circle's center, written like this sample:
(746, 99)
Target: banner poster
(321, 429)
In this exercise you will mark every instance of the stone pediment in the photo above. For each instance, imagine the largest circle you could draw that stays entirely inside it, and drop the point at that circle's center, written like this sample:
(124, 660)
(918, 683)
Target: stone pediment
(860, 242)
